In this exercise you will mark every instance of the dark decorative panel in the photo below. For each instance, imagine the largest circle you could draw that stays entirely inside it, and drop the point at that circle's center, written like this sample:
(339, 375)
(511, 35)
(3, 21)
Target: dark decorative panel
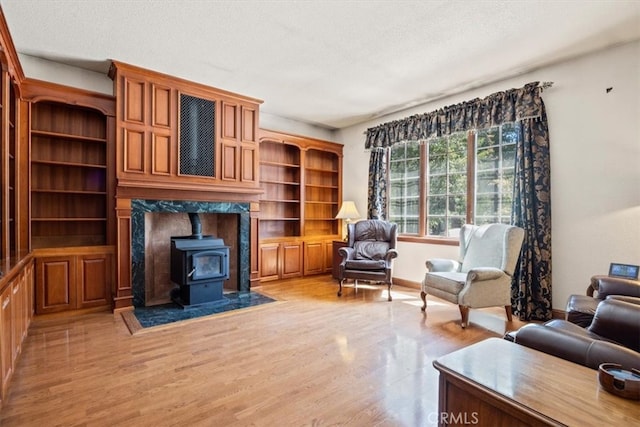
(197, 136)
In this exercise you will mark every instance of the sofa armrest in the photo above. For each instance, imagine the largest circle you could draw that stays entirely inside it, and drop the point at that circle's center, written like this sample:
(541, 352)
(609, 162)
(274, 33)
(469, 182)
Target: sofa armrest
(442, 265)
(607, 285)
(575, 348)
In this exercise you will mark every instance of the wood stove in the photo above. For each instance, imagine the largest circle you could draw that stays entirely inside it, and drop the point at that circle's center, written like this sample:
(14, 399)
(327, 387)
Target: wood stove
(199, 266)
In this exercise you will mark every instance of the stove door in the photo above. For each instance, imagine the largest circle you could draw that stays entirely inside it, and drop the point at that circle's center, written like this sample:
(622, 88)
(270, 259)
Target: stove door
(210, 264)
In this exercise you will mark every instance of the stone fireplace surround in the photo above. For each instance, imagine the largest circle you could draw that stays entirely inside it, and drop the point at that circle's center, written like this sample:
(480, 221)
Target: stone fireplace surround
(233, 219)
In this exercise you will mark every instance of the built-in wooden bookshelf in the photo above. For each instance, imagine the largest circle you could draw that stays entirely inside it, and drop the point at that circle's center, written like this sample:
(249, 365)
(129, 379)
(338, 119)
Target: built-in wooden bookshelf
(280, 178)
(301, 178)
(322, 188)
(68, 176)
(13, 171)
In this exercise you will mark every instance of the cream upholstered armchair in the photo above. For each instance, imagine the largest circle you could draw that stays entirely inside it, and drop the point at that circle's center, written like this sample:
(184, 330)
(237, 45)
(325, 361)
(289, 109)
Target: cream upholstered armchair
(482, 277)
(369, 254)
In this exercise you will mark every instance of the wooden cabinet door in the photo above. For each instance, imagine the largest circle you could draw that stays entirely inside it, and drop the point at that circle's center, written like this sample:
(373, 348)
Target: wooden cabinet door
(55, 284)
(6, 349)
(328, 256)
(291, 260)
(314, 253)
(94, 280)
(269, 261)
(17, 310)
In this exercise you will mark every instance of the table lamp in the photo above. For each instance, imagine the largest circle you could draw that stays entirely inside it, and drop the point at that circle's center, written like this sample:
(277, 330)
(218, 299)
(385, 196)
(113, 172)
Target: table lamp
(347, 212)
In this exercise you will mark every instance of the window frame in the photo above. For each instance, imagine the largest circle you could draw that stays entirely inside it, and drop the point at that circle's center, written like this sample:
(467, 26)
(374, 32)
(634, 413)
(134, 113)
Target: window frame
(422, 236)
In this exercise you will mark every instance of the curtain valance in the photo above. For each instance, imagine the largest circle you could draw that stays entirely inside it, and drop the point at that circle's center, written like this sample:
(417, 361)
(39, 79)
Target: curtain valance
(500, 107)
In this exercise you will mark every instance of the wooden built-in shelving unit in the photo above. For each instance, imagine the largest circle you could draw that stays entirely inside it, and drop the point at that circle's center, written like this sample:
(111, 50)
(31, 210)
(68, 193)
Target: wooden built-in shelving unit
(68, 176)
(280, 178)
(301, 178)
(322, 189)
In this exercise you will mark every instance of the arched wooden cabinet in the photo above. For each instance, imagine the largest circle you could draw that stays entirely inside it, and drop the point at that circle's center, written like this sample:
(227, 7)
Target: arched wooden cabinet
(72, 188)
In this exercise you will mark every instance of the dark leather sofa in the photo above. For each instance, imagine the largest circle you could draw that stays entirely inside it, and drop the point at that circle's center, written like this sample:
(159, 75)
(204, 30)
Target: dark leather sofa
(581, 308)
(613, 336)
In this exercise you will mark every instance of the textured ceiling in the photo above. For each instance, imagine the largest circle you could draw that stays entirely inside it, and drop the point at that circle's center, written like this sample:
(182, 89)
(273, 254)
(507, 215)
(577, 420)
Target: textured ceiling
(329, 63)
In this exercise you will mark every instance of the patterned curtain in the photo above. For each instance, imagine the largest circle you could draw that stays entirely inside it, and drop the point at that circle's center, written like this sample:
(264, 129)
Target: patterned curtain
(377, 197)
(531, 289)
(501, 107)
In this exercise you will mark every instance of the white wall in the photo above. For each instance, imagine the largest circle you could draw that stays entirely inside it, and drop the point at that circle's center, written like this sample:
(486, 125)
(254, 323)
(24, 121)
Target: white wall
(280, 124)
(595, 167)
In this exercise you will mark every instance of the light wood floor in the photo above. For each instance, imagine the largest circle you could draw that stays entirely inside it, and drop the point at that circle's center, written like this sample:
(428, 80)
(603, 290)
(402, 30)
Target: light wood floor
(310, 359)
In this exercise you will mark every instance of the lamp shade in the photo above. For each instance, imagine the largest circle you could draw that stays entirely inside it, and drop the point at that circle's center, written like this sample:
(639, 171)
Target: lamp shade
(348, 211)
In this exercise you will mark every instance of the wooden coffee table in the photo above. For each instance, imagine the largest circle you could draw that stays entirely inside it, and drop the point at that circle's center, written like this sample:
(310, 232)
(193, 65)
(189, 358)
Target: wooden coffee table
(498, 383)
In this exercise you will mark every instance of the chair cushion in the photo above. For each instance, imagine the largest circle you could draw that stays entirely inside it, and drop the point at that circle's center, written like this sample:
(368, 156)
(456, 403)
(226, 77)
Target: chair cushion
(370, 250)
(446, 281)
(580, 309)
(365, 264)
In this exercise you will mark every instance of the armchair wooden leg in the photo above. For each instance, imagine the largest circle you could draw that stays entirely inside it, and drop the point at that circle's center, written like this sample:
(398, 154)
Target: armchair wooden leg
(389, 291)
(340, 290)
(464, 312)
(423, 295)
(507, 309)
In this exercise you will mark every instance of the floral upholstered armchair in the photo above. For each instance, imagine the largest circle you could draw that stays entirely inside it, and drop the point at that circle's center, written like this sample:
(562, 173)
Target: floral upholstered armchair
(369, 254)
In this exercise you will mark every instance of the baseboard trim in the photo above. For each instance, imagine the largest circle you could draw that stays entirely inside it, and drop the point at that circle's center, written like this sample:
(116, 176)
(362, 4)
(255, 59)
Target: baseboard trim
(406, 283)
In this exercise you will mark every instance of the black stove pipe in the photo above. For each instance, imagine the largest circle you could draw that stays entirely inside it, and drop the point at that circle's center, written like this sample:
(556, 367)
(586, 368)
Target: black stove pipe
(196, 226)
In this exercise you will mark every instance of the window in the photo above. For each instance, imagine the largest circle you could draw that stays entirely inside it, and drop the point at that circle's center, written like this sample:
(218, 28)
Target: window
(465, 177)
(404, 199)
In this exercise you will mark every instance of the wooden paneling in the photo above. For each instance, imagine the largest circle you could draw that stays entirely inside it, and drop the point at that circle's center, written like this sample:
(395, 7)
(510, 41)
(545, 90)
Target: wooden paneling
(249, 160)
(134, 97)
(328, 256)
(133, 151)
(94, 276)
(73, 278)
(123, 261)
(229, 166)
(249, 124)
(291, 259)
(161, 106)
(229, 120)
(149, 105)
(269, 261)
(314, 257)
(55, 284)
(16, 311)
(6, 330)
(254, 215)
(161, 155)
